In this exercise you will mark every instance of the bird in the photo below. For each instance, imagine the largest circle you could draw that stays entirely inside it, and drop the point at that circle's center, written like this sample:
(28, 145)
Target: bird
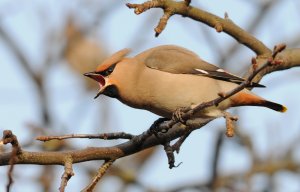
(166, 78)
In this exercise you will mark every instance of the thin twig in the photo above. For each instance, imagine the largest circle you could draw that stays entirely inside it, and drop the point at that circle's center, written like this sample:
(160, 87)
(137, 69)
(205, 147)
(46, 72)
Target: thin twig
(177, 145)
(9, 137)
(162, 23)
(105, 136)
(170, 155)
(98, 176)
(68, 173)
(230, 124)
(10, 169)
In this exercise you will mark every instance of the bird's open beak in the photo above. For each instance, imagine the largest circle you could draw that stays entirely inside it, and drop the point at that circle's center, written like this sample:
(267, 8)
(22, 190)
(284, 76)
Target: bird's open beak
(100, 79)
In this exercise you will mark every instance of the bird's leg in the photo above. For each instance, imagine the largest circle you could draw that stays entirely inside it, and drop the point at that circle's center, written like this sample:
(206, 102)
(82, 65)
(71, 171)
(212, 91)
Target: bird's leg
(178, 113)
(170, 154)
(177, 145)
(155, 129)
(155, 126)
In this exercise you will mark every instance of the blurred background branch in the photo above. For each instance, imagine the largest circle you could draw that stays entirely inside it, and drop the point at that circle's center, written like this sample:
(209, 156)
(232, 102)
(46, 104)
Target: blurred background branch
(45, 47)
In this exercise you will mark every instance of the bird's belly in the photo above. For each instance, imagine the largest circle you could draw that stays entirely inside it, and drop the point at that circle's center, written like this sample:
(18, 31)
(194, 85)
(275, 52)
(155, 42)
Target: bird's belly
(163, 97)
(167, 108)
(162, 93)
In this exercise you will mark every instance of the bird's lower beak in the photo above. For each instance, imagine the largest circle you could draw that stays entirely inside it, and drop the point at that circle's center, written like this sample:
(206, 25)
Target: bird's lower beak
(100, 79)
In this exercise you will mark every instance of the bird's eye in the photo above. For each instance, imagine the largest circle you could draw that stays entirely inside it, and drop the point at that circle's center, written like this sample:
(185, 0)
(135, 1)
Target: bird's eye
(108, 71)
(111, 69)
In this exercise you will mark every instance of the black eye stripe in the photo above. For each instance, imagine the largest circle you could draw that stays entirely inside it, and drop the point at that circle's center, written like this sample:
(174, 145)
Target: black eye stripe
(107, 71)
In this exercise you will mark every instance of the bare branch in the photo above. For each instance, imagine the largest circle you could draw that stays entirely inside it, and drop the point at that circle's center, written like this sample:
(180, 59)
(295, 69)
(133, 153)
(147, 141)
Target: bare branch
(68, 173)
(289, 58)
(170, 155)
(10, 170)
(171, 7)
(162, 23)
(137, 144)
(98, 176)
(177, 145)
(140, 8)
(105, 136)
(229, 124)
(8, 137)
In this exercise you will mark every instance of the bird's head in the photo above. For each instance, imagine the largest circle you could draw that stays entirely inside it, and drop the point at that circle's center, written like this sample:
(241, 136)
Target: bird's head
(105, 71)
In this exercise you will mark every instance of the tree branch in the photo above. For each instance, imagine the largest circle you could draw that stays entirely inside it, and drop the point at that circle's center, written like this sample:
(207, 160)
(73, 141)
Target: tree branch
(171, 7)
(105, 136)
(289, 57)
(9, 137)
(95, 153)
(68, 173)
(101, 171)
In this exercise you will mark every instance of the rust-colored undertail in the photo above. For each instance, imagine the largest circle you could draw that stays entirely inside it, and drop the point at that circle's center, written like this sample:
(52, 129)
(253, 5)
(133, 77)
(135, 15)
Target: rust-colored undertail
(242, 99)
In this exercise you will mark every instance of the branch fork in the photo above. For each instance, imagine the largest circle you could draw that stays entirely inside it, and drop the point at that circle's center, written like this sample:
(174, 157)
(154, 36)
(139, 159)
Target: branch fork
(9, 137)
(168, 9)
(68, 173)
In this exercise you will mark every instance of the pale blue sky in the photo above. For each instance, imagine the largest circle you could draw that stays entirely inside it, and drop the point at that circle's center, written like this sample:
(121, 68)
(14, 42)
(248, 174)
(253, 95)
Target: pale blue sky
(119, 30)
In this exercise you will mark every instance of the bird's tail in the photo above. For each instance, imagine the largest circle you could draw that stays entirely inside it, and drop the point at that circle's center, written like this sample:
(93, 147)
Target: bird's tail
(274, 106)
(244, 98)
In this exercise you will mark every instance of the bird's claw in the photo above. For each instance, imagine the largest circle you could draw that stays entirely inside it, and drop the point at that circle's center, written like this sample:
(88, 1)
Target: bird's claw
(178, 113)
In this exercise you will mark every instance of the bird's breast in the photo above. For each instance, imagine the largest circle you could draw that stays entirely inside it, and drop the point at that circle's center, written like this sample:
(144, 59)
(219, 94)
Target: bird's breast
(162, 93)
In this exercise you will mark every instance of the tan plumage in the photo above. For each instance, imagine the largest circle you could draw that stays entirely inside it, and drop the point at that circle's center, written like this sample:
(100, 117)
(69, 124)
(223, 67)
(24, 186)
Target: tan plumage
(165, 78)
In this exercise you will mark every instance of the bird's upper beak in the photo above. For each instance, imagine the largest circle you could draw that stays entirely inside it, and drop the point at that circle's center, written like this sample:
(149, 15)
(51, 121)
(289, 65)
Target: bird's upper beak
(102, 81)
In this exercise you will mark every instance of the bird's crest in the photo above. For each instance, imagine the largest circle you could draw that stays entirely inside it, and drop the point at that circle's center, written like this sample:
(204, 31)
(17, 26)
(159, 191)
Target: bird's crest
(115, 58)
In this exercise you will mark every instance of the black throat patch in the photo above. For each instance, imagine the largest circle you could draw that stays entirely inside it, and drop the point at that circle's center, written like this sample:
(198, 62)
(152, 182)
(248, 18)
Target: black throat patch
(111, 91)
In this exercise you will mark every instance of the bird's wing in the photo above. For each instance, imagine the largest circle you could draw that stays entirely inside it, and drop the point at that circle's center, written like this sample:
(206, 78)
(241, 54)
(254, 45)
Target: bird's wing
(173, 59)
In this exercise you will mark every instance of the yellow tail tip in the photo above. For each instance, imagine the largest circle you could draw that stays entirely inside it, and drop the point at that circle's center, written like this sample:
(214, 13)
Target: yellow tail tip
(284, 109)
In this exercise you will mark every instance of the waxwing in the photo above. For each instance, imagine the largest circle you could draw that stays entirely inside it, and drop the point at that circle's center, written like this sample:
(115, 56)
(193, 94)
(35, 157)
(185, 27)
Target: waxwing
(166, 78)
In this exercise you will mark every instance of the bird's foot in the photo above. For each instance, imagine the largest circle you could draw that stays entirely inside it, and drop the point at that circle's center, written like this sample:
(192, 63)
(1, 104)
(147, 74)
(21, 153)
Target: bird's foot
(178, 115)
(155, 126)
